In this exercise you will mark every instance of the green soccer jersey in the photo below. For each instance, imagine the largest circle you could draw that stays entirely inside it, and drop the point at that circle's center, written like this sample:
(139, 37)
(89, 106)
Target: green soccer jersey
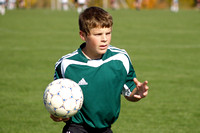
(102, 82)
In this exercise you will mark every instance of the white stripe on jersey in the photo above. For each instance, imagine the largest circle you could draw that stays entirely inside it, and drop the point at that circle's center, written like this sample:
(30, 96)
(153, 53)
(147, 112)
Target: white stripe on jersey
(115, 49)
(96, 63)
(126, 91)
(66, 56)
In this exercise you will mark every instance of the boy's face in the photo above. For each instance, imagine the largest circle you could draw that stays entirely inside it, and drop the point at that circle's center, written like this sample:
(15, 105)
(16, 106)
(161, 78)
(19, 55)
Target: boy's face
(97, 42)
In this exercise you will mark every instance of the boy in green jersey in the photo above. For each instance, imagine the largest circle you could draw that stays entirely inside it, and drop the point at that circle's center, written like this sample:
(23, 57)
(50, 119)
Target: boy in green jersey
(103, 72)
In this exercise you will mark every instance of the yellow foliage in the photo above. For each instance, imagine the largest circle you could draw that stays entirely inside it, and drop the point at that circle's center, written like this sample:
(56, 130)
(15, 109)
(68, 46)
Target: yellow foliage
(146, 4)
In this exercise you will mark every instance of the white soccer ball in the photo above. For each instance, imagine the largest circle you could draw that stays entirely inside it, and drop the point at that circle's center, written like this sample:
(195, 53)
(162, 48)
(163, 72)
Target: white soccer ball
(63, 98)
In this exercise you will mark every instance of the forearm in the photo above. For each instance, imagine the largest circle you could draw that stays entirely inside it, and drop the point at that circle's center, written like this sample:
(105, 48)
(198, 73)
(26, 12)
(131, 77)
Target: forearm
(131, 97)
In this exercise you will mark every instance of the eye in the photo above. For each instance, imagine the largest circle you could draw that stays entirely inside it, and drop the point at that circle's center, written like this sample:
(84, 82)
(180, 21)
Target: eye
(98, 34)
(108, 33)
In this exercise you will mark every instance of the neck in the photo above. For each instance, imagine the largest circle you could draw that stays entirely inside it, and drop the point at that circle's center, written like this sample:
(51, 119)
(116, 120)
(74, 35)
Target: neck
(90, 57)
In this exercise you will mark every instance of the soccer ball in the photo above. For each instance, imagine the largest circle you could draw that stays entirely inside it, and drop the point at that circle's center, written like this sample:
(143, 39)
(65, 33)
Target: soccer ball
(63, 98)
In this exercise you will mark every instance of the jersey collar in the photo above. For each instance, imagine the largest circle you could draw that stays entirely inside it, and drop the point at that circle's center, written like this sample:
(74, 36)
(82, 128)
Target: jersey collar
(85, 59)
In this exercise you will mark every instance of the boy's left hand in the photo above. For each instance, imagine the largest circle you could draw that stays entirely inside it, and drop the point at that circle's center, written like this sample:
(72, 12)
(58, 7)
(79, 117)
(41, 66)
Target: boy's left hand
(58, 119)
(142, 89)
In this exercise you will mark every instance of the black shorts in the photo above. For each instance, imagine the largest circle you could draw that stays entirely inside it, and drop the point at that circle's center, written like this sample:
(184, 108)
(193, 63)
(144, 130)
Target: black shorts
(78, 128)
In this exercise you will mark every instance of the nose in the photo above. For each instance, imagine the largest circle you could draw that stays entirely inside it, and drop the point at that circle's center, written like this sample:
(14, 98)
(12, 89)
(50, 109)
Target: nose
(104, 38)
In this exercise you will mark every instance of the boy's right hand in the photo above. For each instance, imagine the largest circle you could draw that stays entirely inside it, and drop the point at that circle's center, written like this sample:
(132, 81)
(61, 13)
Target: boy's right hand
(58, 119)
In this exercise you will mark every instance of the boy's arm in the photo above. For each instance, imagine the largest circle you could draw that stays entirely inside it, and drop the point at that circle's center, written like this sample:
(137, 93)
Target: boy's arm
(58, 119)
(141, 91)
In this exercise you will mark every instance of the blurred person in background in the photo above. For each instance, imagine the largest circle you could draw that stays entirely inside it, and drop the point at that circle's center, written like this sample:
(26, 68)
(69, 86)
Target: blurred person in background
(75, 3)
(175, 6)
(82, 5)
(11, 4)
(198, 4)
(2, 7)
(64, 4)
(138, 4)
(114, 4)
(21, 4)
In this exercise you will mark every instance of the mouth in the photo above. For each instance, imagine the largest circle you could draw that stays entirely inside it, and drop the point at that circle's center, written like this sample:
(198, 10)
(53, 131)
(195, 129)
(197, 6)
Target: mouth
(103, 46)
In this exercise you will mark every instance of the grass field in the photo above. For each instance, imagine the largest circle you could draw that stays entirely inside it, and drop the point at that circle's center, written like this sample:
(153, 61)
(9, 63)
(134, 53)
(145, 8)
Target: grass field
(164, 48)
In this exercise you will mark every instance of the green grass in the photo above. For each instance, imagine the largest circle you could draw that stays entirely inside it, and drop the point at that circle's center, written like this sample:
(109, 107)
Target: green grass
(164, 48)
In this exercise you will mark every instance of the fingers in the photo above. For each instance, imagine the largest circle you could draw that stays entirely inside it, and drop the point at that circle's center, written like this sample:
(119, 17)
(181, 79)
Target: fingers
(137, 96)
(145, 93)
(136, 81)
(145, 83)
(142, 89)
(58, 119)
(141, 95)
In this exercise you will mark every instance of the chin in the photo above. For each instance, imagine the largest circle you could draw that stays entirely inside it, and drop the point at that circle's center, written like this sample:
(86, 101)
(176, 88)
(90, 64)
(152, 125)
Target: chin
(103, 51)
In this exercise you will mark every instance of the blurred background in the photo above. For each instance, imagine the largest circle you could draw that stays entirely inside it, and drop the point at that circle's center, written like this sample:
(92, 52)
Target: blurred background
(115, 4)
(164, 47)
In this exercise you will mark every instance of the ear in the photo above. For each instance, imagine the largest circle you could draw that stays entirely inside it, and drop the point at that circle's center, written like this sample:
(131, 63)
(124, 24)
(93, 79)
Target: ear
(82, 35)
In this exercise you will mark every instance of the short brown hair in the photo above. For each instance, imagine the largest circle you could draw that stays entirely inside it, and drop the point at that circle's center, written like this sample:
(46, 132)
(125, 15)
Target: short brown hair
(94, 17)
